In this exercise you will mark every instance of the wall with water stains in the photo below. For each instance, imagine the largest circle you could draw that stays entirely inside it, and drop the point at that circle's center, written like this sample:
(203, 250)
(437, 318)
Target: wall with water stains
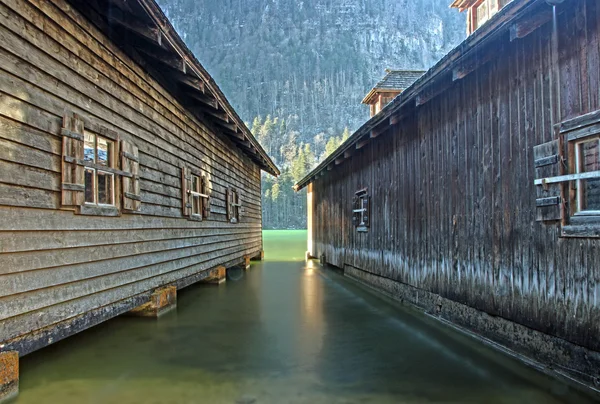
(453, 201)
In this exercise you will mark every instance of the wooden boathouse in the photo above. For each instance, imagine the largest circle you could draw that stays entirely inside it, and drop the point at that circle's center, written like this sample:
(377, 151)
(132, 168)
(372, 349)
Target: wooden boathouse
(124, 170)
(475, 193)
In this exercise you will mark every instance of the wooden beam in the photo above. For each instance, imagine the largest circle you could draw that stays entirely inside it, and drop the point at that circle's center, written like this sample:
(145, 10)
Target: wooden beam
(132, 24)
(215, 113)
(472, 64)
(192, 82)
(348, 153)
(395, 119)
(329, 167)
(339, 161)
(159, 54)
(522, 28)
(235, 135)
(378, 131)
(362, 143)
(226, 125)
(431, 92)
(204, 99)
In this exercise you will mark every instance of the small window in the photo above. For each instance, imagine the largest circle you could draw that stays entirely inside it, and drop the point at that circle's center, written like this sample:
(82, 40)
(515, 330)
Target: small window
(587, 191)
(195, 194)
(100, 171)
(483, 13)
(99, 183)
(234, 205)
(568, 177)
(361, 211)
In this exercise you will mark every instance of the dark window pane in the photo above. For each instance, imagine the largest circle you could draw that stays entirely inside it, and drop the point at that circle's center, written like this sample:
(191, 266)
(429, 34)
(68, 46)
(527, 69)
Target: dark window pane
(195, 184)
(89, 186)
(89, 147)
(591, 194)
(105, 188)
(589, 160)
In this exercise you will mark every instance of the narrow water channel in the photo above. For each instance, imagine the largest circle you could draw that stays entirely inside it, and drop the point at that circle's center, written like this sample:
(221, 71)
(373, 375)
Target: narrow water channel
(283, 332)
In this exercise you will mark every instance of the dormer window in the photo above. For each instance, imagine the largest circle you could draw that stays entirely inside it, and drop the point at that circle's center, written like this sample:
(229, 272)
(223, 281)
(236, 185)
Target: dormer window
(478, 11)
(483, 11)
(394, 83)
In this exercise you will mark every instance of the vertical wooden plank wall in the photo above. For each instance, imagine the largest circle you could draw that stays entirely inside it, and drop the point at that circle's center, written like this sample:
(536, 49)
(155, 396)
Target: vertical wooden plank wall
(453, 201)
(55, 265)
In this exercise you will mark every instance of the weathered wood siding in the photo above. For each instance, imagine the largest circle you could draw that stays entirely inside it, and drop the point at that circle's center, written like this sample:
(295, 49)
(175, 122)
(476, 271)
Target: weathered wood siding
(453, 200)
(55, 265)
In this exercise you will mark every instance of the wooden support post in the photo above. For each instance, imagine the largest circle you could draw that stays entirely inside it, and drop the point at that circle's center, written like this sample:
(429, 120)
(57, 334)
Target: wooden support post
(217, 276)
(161, 301)
(246, 263)
(260, 256)
(9, 375)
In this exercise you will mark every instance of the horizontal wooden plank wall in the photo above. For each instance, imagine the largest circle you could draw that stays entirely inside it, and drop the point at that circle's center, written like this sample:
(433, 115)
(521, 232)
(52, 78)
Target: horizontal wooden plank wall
(55, 265)
(453, 201)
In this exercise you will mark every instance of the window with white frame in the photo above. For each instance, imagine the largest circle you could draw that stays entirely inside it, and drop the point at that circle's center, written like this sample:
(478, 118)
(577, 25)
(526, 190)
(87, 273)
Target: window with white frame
(568, 177)
(99, 158)
(195, 194)
(234, 205)
(361, 212)
(100, 170)
(587, 190)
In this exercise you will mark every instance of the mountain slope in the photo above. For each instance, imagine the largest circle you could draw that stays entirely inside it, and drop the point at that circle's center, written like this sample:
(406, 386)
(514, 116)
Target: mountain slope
(314, 59)
(297, 70)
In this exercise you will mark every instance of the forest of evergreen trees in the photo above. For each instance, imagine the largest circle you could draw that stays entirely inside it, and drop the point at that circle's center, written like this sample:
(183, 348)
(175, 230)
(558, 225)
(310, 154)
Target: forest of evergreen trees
(282, 207)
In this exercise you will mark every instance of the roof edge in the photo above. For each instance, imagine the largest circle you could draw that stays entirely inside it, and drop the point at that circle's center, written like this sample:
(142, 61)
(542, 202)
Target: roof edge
(498, 25)
(160, 19)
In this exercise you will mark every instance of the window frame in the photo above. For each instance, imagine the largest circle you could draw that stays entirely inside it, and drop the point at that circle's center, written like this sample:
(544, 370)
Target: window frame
(361, 215)
(96, 168)
(234, 204)
(575, 168)
(122, 166)
(572, 133)
(194, 182)
(197, 195)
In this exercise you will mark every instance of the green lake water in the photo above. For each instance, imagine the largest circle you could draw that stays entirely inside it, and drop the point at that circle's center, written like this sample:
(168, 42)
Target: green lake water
(285, 331)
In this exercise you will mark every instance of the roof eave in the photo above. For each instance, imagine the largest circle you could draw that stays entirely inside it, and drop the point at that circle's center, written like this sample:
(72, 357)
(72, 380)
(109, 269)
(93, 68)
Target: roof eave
(149, 26)
(497, 25)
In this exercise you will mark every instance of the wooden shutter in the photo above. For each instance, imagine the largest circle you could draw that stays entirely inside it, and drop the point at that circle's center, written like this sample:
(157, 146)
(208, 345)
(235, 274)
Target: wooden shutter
(548, 163)
(238, 208)
(130, 165)
(205, 201)
(186, 186)
(73, 173)
(228, 196)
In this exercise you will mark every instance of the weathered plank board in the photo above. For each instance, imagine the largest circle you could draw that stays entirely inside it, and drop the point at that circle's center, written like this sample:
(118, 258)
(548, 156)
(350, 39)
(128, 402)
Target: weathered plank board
(56, 265)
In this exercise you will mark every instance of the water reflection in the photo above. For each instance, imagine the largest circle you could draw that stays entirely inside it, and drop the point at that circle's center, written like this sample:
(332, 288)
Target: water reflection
(282, 333)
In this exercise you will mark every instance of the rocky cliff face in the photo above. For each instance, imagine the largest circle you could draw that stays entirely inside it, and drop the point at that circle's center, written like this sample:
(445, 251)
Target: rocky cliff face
(312, 60)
